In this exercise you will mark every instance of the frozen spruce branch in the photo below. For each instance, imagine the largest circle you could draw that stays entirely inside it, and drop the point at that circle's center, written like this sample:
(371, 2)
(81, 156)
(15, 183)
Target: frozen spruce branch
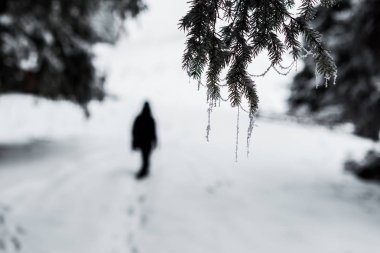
(229, 34)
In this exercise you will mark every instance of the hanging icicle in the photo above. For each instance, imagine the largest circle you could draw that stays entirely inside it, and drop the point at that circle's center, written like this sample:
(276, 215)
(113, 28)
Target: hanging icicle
(249, 131)
(237, 134)
(208, 128)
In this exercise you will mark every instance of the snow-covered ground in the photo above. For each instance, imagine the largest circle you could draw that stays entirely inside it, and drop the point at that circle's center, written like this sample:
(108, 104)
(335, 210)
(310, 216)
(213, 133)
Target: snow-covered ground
(67, 186)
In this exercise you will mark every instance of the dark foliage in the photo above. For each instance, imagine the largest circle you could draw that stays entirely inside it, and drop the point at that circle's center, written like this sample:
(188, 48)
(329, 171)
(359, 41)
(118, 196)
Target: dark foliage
(351, 29)
(45, 45)
(224, 34)
(355, 47)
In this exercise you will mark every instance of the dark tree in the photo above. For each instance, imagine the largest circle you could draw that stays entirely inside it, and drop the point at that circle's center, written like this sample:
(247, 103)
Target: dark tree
(45, 45)
(355, 48)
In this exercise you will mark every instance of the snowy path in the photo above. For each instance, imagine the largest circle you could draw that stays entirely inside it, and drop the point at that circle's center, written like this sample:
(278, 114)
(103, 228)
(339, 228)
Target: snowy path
(78, 195)
(68, 201)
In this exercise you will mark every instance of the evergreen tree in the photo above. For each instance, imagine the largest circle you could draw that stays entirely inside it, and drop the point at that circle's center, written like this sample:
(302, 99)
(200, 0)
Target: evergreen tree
(45, 45)
(225, 34)
(355, 47)
(356, 97)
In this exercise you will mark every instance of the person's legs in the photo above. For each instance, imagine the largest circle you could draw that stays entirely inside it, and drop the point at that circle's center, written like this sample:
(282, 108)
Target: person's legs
(144, 171)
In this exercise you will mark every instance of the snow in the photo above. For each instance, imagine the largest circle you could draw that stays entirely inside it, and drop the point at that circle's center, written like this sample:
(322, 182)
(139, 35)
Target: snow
(67, 186)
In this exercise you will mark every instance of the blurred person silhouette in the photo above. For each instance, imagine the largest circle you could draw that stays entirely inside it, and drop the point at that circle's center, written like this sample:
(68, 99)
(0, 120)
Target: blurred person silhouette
(144, 138)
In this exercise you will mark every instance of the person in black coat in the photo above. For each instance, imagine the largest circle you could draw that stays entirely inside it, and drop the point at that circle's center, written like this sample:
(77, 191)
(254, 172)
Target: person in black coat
(144, 138)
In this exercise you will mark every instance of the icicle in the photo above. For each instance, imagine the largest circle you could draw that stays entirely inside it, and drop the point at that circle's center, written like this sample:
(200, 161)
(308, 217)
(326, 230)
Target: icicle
(208, 128)
(316, 78)
(237, 135)
(335, 77)
(250, 130)
(199, 84)
(327, 79)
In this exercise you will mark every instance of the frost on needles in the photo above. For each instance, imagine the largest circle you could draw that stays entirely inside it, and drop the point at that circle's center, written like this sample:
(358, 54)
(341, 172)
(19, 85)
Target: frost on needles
(227, 34)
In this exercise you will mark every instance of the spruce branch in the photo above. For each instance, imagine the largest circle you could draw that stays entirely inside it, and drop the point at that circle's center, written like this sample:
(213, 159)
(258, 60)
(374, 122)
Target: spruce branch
(226, 34)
